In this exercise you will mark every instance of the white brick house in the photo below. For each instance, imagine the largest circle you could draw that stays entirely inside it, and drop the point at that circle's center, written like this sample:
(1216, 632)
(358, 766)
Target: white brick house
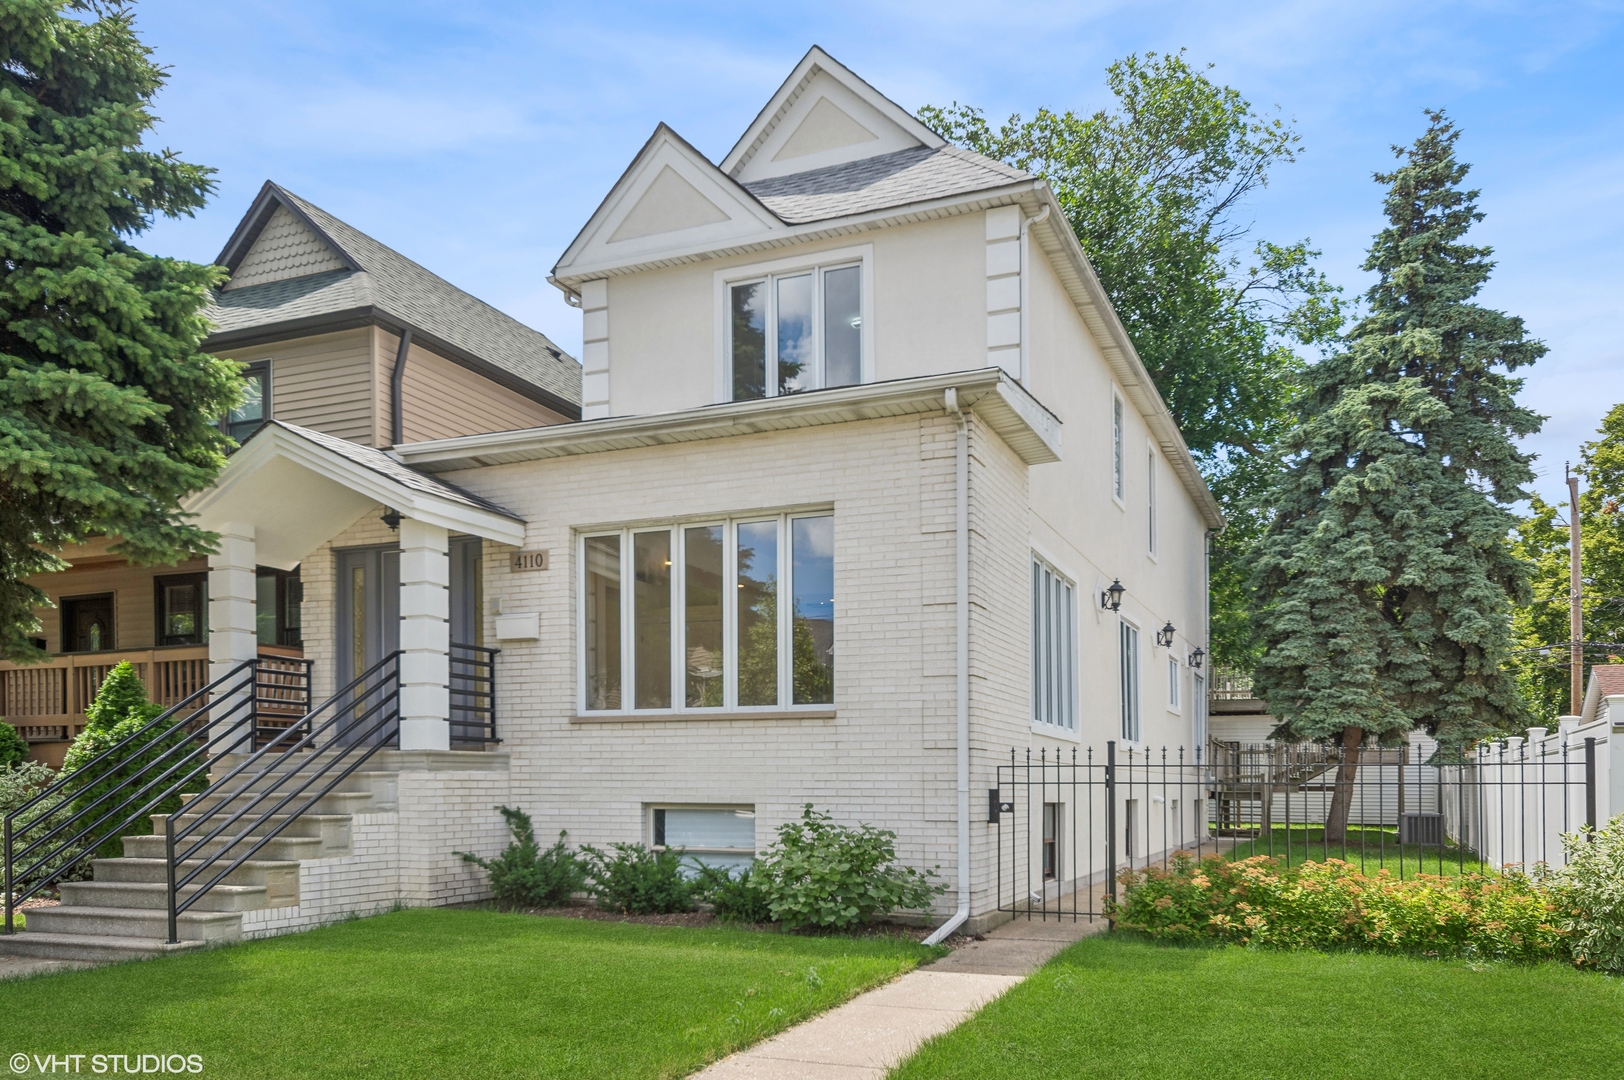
(862, 444)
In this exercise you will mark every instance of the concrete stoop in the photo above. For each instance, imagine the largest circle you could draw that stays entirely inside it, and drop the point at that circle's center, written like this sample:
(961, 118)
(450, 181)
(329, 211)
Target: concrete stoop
(122, 913)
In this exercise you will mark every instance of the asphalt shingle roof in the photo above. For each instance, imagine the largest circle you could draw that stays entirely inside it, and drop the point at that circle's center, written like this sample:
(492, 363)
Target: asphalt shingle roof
(380, 462)
(395, 285)
(877, 183)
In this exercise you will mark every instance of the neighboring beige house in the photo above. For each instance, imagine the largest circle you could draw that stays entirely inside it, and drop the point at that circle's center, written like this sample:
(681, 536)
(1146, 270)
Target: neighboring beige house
(862, 451)
(1604, 694)
(320, 312)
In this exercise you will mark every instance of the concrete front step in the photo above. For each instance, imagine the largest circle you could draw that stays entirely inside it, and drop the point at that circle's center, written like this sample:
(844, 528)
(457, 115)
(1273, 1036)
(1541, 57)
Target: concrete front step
(278, 849)
(214, 926)
(333, 830)
(381, 785)
(280, 879)
(147, 895)
(334, 802)
(91, 948)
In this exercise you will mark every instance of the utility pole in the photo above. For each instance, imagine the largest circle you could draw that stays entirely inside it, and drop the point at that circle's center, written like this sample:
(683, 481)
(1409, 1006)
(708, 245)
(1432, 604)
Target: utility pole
(1576, 650)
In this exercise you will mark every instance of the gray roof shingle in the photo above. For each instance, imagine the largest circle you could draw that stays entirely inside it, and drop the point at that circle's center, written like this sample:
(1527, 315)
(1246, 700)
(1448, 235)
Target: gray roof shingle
(877, 183)
(380, 462)
(390, 283)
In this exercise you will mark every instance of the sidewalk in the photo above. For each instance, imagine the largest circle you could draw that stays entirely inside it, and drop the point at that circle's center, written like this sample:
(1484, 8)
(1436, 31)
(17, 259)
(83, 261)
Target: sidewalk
(868, 1035)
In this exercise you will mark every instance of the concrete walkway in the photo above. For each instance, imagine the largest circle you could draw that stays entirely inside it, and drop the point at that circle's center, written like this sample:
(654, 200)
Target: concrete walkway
(864, 1038)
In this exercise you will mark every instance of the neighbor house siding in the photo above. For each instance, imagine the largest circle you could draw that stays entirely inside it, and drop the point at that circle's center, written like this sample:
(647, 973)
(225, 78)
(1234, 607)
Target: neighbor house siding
(322, 382)
(442, 399)
(94, 573)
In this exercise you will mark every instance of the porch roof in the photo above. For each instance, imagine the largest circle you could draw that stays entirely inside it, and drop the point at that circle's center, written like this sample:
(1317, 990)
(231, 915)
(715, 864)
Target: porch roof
(1007, 408)
(298, 488)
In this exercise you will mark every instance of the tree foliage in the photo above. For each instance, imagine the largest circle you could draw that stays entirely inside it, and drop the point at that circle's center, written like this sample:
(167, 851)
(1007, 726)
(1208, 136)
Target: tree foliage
(1386, 574)
(1152, 189)
(108, 409)
(1541, 626)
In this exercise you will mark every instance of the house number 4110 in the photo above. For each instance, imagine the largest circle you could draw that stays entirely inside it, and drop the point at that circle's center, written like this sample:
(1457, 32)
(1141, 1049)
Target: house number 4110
(530, 560)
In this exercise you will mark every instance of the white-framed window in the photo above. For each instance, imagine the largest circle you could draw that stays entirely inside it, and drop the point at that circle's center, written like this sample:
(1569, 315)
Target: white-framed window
(1054, 647)
(1129, 663)
(1198, 725)
(1119, 461)
(712, 835)
(791, 327)
(688, 616)
(1175, 675)
(1150, 502)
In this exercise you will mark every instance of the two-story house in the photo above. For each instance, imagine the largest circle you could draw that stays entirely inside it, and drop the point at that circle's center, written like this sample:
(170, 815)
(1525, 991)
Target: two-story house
(869, 491)
(342, 335)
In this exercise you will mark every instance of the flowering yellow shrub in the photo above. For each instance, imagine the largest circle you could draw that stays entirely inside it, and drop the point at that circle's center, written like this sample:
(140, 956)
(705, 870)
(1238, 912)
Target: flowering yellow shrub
(1333, 905)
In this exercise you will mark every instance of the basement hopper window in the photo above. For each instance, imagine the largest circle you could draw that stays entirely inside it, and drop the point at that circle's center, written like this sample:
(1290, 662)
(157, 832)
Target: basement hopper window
(711, 836)
(709, 615)
(792, 332)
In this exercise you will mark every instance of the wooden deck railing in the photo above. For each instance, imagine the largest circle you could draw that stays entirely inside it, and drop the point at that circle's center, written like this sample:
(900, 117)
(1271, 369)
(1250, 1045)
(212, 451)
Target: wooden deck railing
(46, 702)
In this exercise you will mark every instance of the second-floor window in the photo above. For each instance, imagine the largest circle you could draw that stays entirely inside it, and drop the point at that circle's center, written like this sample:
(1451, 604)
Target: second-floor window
(795, 331)
(255, 409)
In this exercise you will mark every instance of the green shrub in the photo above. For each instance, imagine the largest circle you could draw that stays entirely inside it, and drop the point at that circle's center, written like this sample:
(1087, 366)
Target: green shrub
(632, 879)
(1589, 896)
(120, 711)
(18, 784)
(13, 747)
(1332, 905)
(829, 876)
(734, 897)
(524, 875)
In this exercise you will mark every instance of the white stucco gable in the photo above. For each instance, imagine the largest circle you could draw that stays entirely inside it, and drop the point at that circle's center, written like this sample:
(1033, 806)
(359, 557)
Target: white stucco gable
(823, 115)
(670, 198)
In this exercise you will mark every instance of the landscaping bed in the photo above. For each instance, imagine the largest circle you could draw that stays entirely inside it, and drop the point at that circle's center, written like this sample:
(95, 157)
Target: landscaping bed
(1121, 1006)
(456, 992)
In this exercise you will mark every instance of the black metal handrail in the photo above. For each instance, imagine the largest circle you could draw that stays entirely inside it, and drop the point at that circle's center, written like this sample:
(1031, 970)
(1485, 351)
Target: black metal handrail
(360, 719)
(473, 695)
(218, 718)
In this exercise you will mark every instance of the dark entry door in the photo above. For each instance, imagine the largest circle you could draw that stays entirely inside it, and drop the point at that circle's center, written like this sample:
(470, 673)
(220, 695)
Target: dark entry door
(368, 624)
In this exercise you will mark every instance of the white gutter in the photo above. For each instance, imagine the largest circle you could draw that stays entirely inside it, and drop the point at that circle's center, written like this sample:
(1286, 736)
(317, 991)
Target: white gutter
(961, 528)
(1026, 291)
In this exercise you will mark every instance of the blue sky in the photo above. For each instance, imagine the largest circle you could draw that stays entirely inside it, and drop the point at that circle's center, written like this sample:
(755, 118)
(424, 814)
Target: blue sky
(477, 137)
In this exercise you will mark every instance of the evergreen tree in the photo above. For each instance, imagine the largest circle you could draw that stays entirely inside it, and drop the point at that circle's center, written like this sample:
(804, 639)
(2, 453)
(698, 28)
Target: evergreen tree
(1152, 189)
(108, 410)
(1386, 578)
(1541, 626)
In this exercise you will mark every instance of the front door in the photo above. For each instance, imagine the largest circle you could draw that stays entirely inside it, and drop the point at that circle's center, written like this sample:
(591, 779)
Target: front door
(368, 626)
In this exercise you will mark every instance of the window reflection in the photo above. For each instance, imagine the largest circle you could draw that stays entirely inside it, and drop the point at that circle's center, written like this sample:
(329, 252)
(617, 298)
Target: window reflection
(703, 590)
(813, 629)
(758, 613)
(748, 311)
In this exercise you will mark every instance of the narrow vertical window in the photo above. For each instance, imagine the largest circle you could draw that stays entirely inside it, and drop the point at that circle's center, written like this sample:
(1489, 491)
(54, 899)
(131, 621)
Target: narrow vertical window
(1054, 656)
(1051, 841)
(1150, 493)
(602, 590)
(794, 325)
(358, 621)
(843, 326)
(255, 409)
(747, 310)
(702, 602)
(812, 631)
(757, 618)
(1117, 463)
(651, 615)
(1130, 683)
(1172, 684)
(1198, 692)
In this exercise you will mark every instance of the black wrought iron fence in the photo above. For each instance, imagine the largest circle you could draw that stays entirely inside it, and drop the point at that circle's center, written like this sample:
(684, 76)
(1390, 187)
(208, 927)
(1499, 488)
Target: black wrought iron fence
(1068, 824)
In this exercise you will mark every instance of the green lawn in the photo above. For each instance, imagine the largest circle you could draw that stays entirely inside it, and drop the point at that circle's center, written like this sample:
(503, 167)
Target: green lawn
(453, 993)
(1121, 1007)
(1366, 846)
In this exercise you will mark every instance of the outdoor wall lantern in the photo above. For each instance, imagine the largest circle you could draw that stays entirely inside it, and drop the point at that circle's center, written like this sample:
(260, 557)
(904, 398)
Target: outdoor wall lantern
(1111, 598)
(1196, 658)
(390, 517)
(1164, 636)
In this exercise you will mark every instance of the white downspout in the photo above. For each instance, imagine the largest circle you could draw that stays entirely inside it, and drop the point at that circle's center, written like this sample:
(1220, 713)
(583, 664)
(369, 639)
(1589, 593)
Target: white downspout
(962, 532)
(1026, 288)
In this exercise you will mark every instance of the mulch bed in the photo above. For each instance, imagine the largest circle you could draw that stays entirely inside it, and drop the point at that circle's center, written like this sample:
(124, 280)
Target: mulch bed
(702, 919)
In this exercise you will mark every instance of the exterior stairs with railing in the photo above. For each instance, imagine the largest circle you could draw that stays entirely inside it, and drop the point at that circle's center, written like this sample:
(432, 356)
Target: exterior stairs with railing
(122, 913)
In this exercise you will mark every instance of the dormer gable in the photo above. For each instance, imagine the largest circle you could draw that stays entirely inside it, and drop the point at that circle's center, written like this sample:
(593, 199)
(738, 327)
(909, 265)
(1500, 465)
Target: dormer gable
(277, 241)
(670, 197)
(823, 115)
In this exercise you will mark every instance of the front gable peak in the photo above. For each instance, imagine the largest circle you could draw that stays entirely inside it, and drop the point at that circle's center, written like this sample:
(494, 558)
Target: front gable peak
(670, 197)
(823, 115)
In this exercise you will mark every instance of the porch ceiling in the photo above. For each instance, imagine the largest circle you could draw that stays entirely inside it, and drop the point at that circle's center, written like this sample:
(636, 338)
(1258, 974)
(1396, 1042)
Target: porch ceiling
(298, 489)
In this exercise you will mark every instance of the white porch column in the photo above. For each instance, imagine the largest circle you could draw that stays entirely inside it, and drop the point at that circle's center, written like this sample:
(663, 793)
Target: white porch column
(233, 633)
(425, 636)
